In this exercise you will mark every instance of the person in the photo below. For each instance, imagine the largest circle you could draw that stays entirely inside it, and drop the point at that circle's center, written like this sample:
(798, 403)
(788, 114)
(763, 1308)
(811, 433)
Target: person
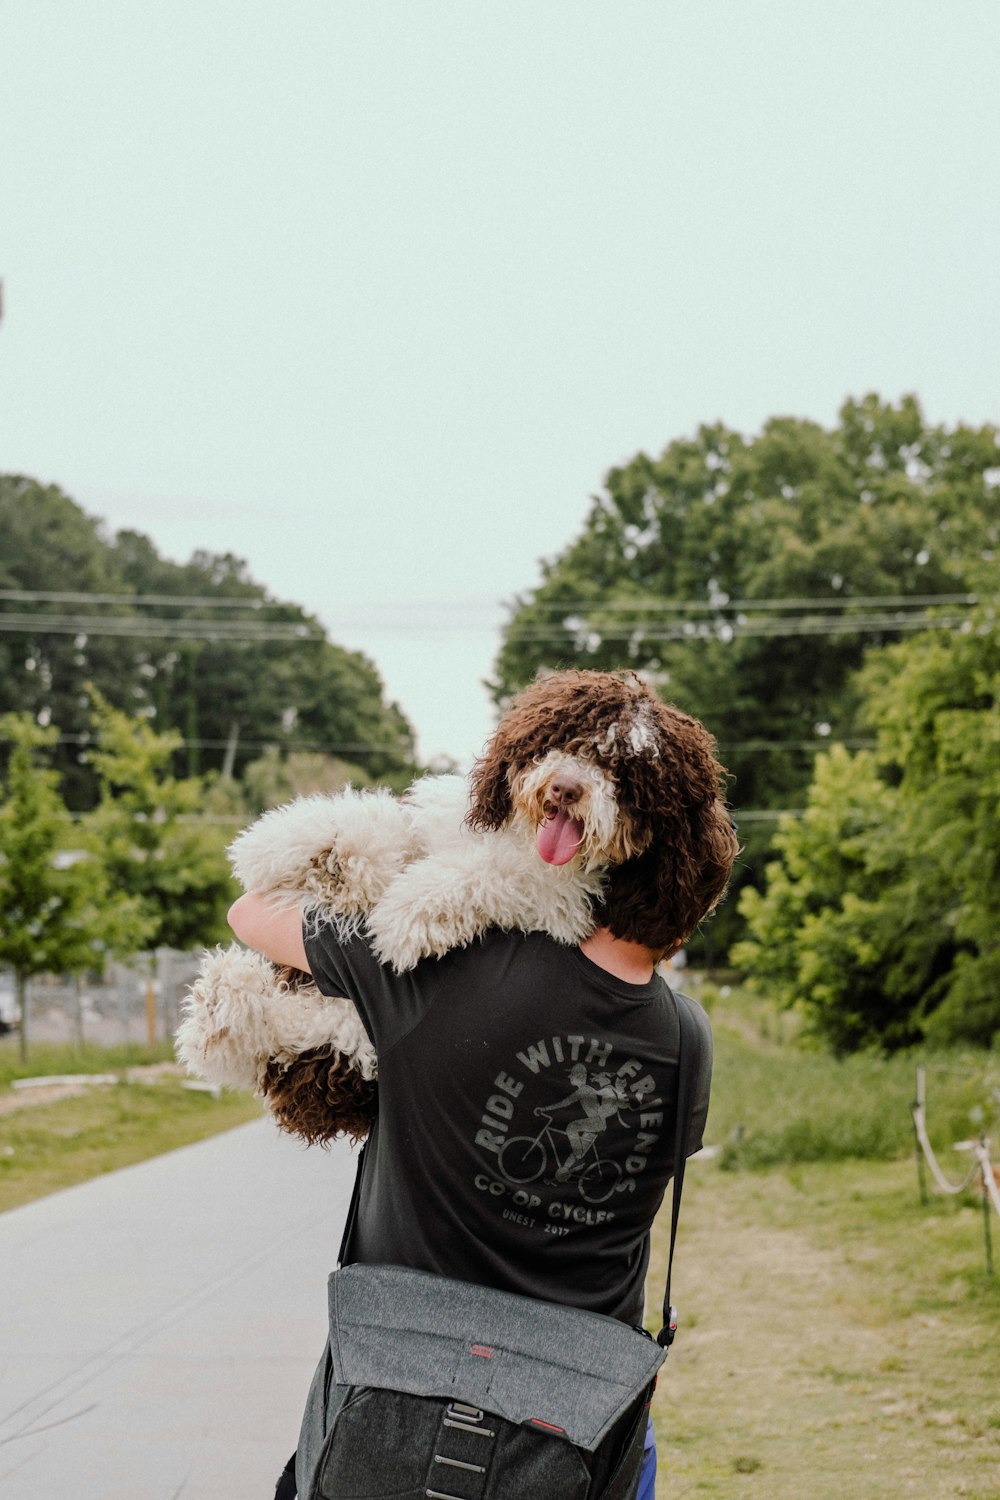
(524, 1135)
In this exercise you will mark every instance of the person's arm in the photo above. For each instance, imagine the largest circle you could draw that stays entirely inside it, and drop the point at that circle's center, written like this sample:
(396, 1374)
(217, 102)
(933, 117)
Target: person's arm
(274, 931)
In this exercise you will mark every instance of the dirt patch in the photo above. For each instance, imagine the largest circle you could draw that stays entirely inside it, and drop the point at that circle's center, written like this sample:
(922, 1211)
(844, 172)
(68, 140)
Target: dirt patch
(13, 1100)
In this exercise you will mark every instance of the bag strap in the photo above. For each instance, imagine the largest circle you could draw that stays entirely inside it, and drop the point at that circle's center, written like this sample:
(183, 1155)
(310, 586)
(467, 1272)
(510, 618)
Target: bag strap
(352, 1212)
(688, 1067)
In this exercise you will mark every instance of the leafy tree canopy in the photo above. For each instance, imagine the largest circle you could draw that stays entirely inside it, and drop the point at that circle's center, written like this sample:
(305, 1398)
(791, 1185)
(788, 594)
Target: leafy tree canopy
(881, 915)
(58, 911)
(736, 574)
(229, 697)
(151, 835)
(682, 559)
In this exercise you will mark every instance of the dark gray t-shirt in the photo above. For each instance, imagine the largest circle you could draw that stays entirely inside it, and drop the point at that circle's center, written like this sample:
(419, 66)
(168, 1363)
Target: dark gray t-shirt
(526, 1114)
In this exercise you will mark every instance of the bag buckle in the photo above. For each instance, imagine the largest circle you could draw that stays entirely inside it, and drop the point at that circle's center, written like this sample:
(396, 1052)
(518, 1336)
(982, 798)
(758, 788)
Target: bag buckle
(668, 1332)
(468, 1419)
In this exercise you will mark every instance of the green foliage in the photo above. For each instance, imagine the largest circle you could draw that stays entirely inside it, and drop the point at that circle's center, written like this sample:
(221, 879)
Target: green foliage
(60, 1058)
(57, 913)
(881, 916)
(787, 1103)
(223, 696)
(151, 834)
(277, 778)
(883, 504)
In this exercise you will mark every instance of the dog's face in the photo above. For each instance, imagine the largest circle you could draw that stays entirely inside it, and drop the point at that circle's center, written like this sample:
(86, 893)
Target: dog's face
(588, 760)
(606, 773)
(571, 803)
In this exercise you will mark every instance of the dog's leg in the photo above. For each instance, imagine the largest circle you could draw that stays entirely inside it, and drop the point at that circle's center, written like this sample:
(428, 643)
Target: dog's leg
(335, 853)
(243, 1017)
(493, 880)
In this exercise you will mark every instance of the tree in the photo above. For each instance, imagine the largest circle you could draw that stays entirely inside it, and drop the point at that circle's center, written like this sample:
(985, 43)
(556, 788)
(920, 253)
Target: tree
(684, 560)
(277, 778)
(56, 912)
(227, 697)
(298, 694)
(50, 544)
(881, 916)
(154, 840)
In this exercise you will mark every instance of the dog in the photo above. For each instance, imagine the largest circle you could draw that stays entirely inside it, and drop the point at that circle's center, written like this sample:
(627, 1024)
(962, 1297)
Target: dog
(594, 804)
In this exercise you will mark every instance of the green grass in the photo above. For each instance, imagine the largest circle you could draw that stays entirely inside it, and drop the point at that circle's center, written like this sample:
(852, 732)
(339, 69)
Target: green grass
(44, 1147)
(837, 1336)
(775, 1101)
(47, 1058)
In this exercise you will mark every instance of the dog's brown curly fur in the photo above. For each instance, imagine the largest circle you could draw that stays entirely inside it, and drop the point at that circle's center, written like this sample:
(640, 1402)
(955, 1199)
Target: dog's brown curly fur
(670, 789)
(318, 1096)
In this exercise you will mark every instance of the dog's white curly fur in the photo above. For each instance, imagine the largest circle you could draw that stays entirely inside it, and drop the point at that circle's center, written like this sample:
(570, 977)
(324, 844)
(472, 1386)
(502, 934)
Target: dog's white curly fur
(240, 1016)
(414, 872)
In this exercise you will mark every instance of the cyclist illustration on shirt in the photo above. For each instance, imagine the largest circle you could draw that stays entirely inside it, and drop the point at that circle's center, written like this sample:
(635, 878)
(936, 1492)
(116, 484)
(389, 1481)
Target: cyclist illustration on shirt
(601, 1100)
(557, 1153)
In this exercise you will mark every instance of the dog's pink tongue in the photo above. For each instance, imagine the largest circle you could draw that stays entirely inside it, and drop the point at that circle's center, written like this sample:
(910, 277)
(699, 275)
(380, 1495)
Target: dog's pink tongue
(559, 838)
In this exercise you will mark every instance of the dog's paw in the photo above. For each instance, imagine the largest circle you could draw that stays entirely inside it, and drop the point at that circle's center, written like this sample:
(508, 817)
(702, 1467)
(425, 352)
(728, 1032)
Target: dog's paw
(404, 938)
(223, 1036)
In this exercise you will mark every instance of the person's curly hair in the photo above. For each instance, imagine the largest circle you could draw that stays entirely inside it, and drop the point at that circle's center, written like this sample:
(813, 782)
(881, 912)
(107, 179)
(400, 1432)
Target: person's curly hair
(668, 784)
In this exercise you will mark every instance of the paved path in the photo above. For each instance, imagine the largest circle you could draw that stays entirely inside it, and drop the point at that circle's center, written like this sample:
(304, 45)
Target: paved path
(159, 1326)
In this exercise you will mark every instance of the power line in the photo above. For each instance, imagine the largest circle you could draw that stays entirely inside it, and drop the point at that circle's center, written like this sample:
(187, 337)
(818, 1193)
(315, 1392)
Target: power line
(185, 601)
(726, 747)
(138, 627)
(336, 748)
(712, 605)
(723, 602)
(727, 630)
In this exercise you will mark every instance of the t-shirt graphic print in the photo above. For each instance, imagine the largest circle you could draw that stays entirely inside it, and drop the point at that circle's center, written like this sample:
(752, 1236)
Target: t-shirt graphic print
(568, 1160)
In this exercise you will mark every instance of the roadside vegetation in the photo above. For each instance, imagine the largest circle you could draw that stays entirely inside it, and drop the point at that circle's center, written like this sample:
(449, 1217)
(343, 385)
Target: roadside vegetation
(54, 1137)
(837, 1335)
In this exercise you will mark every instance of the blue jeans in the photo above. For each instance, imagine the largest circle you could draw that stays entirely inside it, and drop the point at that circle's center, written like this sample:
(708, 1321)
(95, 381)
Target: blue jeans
(647, 1475)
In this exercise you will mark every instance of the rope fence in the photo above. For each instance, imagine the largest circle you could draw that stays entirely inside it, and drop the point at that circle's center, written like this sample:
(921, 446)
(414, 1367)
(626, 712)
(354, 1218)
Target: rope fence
(981, 1165)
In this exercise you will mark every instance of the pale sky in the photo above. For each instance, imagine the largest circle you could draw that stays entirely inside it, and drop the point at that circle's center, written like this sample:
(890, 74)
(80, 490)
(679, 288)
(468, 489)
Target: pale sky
(374, 294)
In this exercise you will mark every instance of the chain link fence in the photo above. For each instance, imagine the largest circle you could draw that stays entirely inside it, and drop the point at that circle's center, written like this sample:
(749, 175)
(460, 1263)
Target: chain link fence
(135, 1002)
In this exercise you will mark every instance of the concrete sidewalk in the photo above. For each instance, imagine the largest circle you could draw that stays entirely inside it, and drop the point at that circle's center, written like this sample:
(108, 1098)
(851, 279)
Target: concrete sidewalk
(159, 1326)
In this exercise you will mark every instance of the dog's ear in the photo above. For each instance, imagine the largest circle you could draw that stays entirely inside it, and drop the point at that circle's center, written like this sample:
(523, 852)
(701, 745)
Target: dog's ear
(490, 803)
(664, 893)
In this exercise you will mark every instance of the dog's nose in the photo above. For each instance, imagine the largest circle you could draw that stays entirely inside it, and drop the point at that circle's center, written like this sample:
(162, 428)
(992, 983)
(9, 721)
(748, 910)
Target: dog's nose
(564, 791)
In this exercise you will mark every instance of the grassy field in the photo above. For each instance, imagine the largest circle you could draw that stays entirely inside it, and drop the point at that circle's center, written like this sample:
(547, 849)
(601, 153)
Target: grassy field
(838, 1337)
(55, 1144)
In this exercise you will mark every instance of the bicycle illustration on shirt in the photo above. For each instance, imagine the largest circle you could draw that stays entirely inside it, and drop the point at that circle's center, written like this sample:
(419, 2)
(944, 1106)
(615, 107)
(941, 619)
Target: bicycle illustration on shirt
(571, 1150)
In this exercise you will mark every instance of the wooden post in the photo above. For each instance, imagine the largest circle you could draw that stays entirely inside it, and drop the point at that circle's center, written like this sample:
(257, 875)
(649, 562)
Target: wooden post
(78, 1013)
(987, 1208)
(918, 1104)
(151, 1011)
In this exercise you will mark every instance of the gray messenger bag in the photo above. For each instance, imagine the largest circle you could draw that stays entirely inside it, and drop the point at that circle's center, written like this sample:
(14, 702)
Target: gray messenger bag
(431, 1387)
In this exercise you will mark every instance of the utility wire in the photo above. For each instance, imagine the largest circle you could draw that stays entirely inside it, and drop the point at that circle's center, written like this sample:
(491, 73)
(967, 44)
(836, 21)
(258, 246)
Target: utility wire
(186, 601)
(726, 631)
(204, 744)
(140, 627)
(723, 602)
(228, 601)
